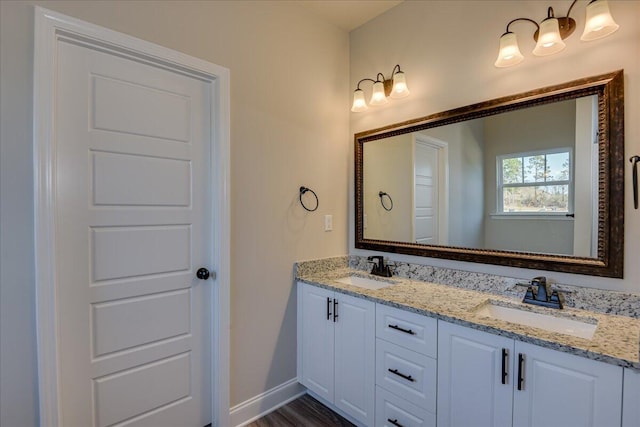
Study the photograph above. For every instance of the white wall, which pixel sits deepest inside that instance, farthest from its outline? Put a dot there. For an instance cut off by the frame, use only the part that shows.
(388, 167)
(533, 129)
(447, 50)
(289, 127)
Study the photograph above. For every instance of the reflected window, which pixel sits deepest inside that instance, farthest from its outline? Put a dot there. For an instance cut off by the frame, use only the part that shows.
(535, 183)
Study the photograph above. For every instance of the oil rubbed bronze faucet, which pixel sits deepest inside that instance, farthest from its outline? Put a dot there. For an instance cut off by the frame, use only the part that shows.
(539, 293)
(379, 269)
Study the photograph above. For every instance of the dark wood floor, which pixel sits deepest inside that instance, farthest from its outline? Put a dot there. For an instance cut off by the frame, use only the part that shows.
(302, 412)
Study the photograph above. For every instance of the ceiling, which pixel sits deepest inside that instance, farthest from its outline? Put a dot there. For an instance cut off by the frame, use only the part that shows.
(348, 14)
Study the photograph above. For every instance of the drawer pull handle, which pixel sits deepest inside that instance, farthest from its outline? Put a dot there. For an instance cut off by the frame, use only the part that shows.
(394, 422)
(520, 371)
(398, 328)
(400, 374)
(505, 362)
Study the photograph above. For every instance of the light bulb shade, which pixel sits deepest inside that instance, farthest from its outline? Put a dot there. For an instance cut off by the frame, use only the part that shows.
(359, 104)
(549, 40)
(378, 97)
(599, 21)
(400, 89)
(509, 53)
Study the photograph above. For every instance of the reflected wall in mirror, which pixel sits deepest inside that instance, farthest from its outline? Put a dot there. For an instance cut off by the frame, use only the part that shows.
(532, 180)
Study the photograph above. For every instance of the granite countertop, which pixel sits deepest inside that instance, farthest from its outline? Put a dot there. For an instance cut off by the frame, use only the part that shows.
(615, 341)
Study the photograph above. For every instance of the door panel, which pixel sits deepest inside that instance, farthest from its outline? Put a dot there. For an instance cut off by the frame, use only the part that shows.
(125, 179)
(117, 100)
(153, 385)
(130, 322)
(133, 220)
(123, 252)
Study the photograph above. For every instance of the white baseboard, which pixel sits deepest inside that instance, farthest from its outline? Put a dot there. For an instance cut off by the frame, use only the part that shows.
(260, 405)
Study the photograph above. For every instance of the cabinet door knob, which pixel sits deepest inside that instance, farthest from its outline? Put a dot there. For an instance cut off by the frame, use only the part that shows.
(202, 273)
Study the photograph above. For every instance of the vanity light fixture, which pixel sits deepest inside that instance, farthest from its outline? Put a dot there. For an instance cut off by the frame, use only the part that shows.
(552, 31)
(395, 87)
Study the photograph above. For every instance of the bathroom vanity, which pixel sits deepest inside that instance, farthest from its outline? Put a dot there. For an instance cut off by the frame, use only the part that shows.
(453, 348)
(407, 352)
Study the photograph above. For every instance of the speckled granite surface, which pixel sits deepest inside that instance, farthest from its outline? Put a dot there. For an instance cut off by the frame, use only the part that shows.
(319, 265)
(616, 339)
(610, 302)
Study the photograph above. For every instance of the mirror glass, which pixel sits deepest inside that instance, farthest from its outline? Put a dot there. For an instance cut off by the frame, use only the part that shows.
(505, 182)
(527, 177)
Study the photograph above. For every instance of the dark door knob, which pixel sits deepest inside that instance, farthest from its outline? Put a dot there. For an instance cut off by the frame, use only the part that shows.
(202, 274)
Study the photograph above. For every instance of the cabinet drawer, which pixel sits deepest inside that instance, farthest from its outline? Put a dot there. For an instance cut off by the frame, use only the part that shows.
(391, 411)
(410, 330)
(410, 375)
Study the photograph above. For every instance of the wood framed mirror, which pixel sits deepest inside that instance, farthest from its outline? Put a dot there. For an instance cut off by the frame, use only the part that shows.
(533, 180)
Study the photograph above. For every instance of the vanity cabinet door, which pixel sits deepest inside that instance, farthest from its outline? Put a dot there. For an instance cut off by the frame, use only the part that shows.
(561, 389)
(631, 399)
(316, 340)
(470, 378)
(355, 357)
(336, 350)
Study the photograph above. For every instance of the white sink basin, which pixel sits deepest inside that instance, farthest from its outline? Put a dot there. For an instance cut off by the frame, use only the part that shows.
(577, 328)
(364, 282)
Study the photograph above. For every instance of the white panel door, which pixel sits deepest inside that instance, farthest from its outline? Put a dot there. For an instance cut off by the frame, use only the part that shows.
(317, 335)
(354, 357)
(426, 194)
(133, 222)
(470, 385)
(561, 389)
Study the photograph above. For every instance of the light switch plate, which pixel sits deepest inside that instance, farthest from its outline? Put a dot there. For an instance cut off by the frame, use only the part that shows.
(328, 222)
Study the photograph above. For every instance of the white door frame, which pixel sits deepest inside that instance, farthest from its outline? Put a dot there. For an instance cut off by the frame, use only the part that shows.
(49, 26)
(443, 184)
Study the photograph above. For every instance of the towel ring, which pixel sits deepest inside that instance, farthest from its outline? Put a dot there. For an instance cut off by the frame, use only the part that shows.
(382, 194)
(304, 190)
